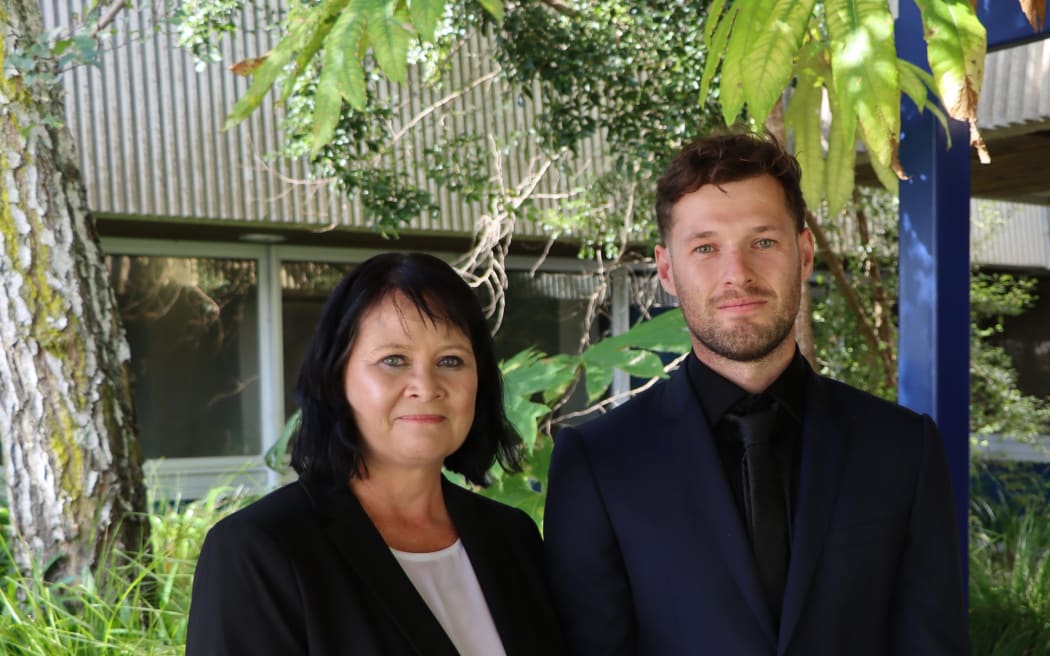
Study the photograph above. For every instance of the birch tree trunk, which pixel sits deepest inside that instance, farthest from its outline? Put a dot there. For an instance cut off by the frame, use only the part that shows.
(72, 467)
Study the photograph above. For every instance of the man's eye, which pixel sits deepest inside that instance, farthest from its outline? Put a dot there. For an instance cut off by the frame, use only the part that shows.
(450, 361)
(393, 360)
(705, 248)
(765, 243)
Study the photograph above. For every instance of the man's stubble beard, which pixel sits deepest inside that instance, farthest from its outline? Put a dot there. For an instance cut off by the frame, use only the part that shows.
(747, 342)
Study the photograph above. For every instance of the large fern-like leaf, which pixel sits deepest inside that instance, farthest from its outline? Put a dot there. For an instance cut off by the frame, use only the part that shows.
(494, 7)
(303, 25)
(329, 14)
(955, 47)
(342, 47)
(842, 154)
(803, 118)
(774, 37)
(716, 46)
(734, 77)
(864, 70)
(425, 16)
(390, 39)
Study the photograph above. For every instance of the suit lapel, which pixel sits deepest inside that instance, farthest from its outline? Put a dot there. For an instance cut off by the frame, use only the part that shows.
(356, 538)
(824, 445)
(490, 565)
(699, 469)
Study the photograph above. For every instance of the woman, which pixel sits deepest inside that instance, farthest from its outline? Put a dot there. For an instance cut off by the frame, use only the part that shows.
(372, 550)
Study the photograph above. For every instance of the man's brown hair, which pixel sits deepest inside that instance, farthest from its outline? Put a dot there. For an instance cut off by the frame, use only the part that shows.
(721, 158)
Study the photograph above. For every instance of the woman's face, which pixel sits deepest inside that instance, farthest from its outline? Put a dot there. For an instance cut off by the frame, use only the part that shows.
(411, 385)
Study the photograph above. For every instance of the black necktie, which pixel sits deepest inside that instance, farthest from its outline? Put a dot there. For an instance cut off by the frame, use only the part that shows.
(765, 506)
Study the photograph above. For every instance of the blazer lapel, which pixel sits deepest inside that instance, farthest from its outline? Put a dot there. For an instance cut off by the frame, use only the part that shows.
(490, 565)
(824, 445)
(700, 473)
(356, 538)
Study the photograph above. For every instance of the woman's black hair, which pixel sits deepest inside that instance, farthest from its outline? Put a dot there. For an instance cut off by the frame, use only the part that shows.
(327, 447)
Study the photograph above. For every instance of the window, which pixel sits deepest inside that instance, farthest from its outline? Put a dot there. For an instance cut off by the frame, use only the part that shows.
(191, 324)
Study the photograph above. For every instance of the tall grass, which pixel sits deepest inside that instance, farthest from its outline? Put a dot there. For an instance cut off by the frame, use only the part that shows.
(135, 604)
(1009, 580)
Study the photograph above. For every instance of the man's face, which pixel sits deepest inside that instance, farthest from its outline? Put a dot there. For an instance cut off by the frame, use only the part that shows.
(736, 263)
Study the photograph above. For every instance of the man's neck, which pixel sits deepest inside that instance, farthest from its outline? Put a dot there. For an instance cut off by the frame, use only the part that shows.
(753, 376)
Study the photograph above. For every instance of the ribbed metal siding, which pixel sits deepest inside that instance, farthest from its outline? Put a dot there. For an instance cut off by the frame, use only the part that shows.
(1010, 234)
(1016, 86)
(149, 129)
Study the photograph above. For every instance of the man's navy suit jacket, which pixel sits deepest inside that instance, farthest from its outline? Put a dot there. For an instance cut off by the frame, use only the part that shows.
(648, 555)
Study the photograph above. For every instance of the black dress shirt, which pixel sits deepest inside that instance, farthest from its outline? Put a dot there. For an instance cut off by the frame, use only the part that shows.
(717, 395)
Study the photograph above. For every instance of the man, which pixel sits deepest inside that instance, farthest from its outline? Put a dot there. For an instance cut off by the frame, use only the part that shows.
(748, 506)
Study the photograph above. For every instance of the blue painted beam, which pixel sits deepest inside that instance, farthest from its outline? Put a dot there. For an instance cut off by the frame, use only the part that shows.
(1006, 24)
(934, 305)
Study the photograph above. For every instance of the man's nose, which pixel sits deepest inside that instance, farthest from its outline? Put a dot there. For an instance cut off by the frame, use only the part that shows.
(737, 267)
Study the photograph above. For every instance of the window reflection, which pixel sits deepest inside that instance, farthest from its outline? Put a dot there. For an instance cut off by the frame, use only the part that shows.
(192, 324)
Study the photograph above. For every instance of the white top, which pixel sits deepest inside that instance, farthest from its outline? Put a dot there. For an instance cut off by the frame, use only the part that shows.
(446, 581)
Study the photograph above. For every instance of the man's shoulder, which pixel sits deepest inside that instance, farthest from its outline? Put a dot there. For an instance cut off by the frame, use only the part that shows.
(865, 406)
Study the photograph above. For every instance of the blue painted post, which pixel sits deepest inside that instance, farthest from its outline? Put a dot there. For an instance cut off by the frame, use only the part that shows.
(934, 343)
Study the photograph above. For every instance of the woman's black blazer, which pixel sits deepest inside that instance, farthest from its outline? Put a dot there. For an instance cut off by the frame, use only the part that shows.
(304, 572)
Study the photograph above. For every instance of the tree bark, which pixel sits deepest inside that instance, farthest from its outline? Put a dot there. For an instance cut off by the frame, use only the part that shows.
(72, 466)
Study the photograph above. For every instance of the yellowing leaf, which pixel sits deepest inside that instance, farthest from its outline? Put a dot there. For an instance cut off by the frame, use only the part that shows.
(803, 119)
(864, 72)
(716, 45)
(776, 32)
(956, 44)
(1035, 12)
(842, 153)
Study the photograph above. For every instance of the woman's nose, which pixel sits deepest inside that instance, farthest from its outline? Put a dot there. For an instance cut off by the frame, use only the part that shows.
(424, 383)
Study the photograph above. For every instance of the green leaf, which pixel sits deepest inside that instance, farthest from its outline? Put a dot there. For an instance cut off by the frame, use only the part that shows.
(341, 56)
(328, 102)
(734, 79)
(956, 44)
(494, 7)
(665, 332)
(390, 39)
(275, 455)
(524, 415)
(716, 45)
(864, 70)
(803, 118)
(330, 12)
(771, 42)
(842, 153)
(425, 16)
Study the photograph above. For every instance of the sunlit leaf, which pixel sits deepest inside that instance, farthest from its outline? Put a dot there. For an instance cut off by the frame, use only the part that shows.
(665, 332)
(716, 45)
(390, 39)
(803, 118)
(956, 44)
(864, 70)
(425, 16)
(777, 29)
(494, 7)
(329, 13)
(327, 104)
(735, 78)
(341, 55)
(842, 153)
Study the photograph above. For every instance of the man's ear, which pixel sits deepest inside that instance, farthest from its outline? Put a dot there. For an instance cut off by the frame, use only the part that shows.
(805, 252)
(663, 269)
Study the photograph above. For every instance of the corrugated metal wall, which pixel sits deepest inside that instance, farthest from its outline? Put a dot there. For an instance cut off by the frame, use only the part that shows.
(1016, 86)
(1010, 234)
(149, 131)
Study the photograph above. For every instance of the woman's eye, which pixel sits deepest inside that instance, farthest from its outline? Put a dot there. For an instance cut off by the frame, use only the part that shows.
(393, 360)
(450, 361)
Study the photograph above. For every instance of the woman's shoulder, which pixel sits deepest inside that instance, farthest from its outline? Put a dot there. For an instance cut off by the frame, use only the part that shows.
(273, 514)
(464, 500)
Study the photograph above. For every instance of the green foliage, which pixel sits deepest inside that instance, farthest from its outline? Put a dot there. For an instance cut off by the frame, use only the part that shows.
(135, 604)
(843, 50)
(1009, 580)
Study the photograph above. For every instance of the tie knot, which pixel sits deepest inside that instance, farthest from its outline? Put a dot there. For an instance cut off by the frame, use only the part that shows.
(753, 417)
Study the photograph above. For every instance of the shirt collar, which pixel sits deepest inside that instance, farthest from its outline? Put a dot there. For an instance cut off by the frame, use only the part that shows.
(717, 394)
